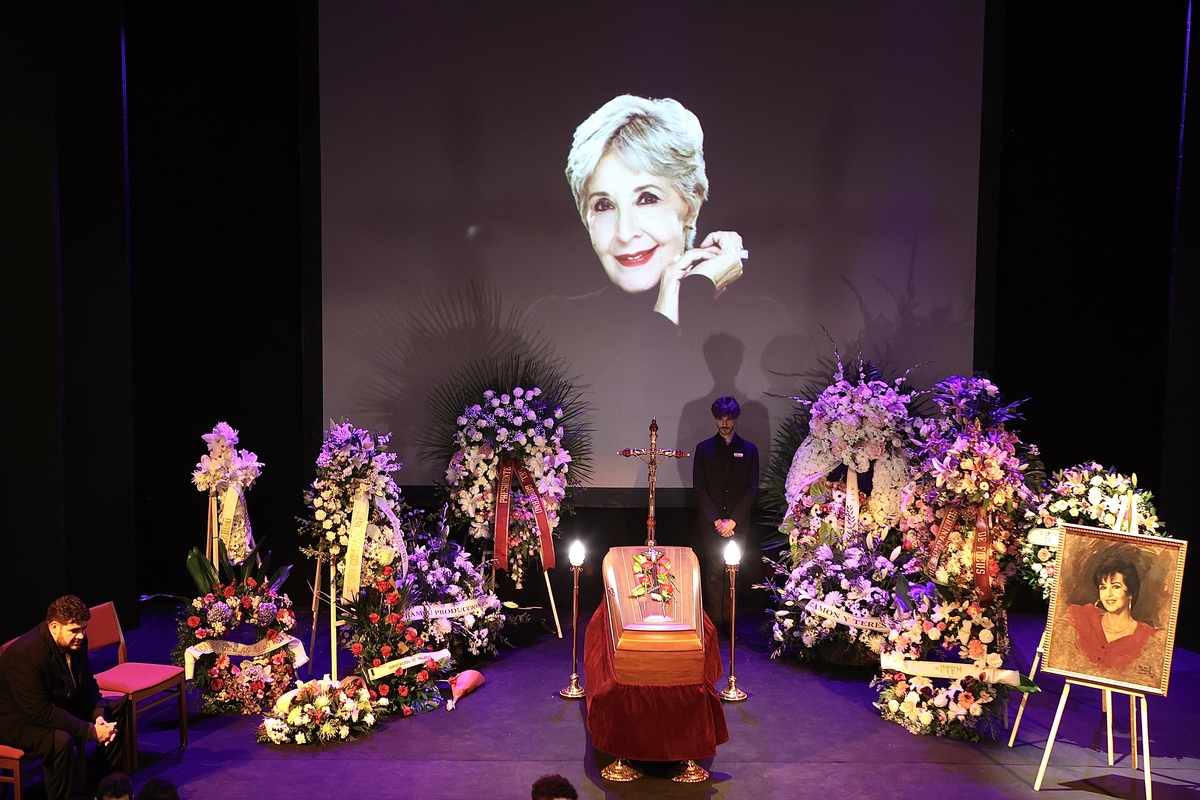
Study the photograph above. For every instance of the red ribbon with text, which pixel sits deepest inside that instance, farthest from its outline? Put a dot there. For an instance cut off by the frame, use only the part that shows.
(982, 558)
(508, 468)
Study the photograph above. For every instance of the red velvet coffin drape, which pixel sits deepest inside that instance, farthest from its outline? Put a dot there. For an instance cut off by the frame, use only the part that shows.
(651, 723)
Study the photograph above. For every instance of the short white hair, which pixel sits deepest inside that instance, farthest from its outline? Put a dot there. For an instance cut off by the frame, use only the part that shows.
(660, 137)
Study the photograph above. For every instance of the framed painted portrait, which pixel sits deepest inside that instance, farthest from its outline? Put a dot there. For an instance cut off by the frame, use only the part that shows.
(1114, 608)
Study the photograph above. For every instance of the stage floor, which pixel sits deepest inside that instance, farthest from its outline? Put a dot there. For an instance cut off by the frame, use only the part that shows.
(804, 732)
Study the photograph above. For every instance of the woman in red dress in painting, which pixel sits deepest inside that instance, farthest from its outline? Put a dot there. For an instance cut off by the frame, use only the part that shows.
(1106, 633)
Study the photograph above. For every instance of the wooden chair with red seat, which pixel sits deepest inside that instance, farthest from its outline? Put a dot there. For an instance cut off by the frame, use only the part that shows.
(143, 685)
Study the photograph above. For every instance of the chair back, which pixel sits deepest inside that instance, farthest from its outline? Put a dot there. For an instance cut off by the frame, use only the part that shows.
(105, 630)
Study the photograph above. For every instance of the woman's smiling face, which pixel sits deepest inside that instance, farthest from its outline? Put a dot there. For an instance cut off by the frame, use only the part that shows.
(636, 221)
(1114, 594)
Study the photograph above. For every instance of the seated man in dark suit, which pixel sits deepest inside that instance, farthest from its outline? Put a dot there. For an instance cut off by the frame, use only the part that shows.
(49, 700)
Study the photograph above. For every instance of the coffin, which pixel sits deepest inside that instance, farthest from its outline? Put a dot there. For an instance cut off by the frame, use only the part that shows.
(655, 643)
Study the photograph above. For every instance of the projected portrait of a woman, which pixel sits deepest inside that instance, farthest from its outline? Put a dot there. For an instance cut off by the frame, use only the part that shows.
(636, 169)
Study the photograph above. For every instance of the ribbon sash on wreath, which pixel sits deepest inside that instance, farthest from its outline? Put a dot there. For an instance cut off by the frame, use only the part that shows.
(981, 552)
(510, 468)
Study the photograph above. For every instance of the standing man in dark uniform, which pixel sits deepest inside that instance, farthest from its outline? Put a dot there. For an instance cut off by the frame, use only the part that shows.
(725, 479)
(49, 700)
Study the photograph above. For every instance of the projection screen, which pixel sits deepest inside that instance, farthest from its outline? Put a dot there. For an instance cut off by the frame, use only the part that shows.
(840, 142)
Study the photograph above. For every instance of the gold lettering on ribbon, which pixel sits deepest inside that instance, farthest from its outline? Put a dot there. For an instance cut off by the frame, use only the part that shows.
(822, 609)
(949, 522)
(228, 509)
(982, 557)
(503, 499)
(223, 647)
(408, 662)
(539, 515)
(352, 579)
(895, 662)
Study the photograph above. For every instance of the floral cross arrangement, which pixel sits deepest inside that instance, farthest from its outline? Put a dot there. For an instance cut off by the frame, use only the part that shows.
(225, 464)
(226, 473)
(652, 577)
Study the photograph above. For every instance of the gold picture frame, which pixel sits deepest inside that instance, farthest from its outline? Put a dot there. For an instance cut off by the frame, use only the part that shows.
(1111, 628)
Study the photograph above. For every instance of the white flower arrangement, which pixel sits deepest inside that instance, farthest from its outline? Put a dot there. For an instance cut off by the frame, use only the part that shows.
(850, 572)
(856, 424)
(223, 467)
(321, 711)
(1085, 494)
(225, 464)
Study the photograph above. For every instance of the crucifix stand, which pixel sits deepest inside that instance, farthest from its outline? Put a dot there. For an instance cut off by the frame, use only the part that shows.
(652, 457)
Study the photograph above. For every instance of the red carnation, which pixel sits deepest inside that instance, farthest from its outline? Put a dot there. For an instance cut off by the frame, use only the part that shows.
(394, 619)
(431, 665)
(384, 689)
(410, 635)
(383, 586)
(419, 642)
(423, 676)
(230, 591)
(247, 601)
(407, 711)
(375, 662)
(402, 691)
(356, 648)
(193, 622)
(387, 571)
(374, 618)
(217, 684)
(386, 650)
(393, 598)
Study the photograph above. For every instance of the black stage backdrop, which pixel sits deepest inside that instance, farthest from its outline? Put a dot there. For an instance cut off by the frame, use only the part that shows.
(125, 348)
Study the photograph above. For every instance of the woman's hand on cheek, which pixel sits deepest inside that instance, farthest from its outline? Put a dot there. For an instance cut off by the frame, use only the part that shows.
(718, 258)
(668, 286)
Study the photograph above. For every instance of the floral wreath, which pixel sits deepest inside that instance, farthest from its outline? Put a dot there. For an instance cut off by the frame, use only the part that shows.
(836, 584)
(971, 705)
(355, 461)
(856, 423)
(232, 676)
(223, 468)
(510, 430)
(521, 429)
(322, 711)
(1088, 494)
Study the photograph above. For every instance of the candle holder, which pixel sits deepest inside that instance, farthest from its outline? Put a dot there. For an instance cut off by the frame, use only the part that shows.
(733, 558)
(574, 691)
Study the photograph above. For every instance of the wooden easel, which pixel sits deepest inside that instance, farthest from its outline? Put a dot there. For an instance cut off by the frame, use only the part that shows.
(1107, 694)
(1129, 509)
